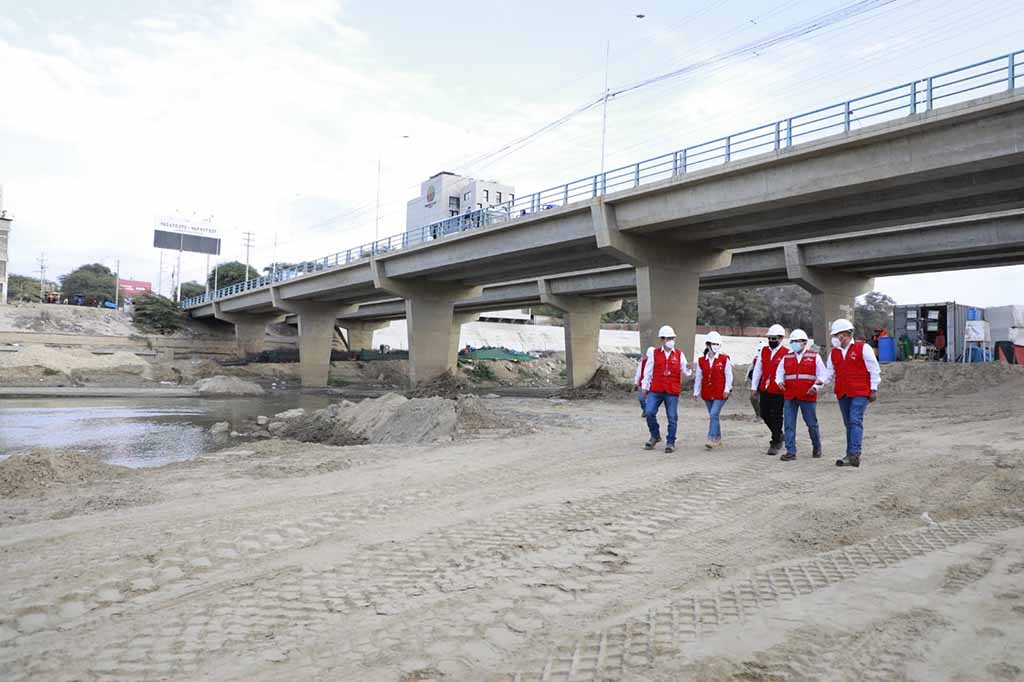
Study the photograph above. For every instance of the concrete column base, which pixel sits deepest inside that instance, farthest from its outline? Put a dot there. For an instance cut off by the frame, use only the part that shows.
(250, 329)
(316, 335)
(360, 334)
(582, 331)
(667, 277)
(458, 319)
(833, 293)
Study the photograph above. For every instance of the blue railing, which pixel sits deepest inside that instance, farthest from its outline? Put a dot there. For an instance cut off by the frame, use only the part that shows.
(967, 82)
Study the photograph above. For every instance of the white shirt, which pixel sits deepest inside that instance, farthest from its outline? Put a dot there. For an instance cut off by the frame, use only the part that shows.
(820, 370)
(870, 361)
(711, 360)
(755, 379)
(649, 367)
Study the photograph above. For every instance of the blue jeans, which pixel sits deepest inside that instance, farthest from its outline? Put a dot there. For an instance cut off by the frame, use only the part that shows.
(714, 425)
(853, 417)
(809, 409)
(643, 403)
(654, 401)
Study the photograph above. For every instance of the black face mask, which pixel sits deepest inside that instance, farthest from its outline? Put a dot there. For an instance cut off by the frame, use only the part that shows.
(773, 344)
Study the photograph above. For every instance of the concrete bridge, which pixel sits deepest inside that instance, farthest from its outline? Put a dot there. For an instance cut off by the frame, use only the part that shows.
(966, 159)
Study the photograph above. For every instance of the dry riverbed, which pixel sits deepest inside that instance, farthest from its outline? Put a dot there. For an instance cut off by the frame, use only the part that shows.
(562, 551)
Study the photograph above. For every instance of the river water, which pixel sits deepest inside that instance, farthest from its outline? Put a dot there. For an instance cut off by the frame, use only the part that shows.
(134, 432)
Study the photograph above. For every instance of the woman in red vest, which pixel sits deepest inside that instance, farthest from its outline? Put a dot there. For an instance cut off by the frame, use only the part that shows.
(857, 375)
(713, 384)
(664, 369)
(800, 374)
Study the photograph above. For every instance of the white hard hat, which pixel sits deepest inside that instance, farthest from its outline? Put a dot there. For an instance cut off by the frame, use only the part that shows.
(842, 325)
(713, 337)
(666, 332)
(776, 330)
(798, 335)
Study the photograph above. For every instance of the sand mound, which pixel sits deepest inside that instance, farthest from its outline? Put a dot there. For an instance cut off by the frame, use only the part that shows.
(224, 385)
(33, 473)
(602, 385)
(68, 360)
(445, 386)
(393, 418)
(940, 378)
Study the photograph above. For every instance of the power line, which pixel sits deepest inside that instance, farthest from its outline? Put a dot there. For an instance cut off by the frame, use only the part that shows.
(42, 275)
(249, 242)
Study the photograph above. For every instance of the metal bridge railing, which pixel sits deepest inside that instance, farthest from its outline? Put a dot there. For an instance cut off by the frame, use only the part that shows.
(950, 87)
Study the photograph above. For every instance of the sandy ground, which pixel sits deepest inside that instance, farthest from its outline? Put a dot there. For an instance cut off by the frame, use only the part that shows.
(568, 553)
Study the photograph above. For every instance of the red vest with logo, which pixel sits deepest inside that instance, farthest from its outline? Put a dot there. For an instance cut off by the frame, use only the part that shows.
(712, 377)
(769, 364)
(800, 375)
(667, 374)
(852, 378)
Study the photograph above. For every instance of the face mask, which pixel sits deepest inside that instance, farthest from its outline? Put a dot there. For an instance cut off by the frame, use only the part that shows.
(670, 344)
(836, 343)
(715, 347)
(773, 344)
(796, 346)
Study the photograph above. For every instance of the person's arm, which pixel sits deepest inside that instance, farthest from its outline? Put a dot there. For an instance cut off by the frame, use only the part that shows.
(728, 377)
(684, 366)
(638, 375)
(645, 384)
(697, 380)
(830, 371)
(874, 371)
(755, 378)
(780, 373)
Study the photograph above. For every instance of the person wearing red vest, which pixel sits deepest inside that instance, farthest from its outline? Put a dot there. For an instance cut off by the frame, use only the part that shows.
(713, 385)
(638, 381)
(857, 374)
(800, 374)
(762, 384)
(664, 369)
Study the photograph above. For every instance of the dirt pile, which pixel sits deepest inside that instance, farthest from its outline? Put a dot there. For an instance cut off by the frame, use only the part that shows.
(225, 385)
(393, 418)
(447, 386)
(940, 378)
(602, 385)
(38, 363)
(31, 474)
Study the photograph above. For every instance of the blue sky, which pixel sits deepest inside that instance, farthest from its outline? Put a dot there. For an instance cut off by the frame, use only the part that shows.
(270, 115)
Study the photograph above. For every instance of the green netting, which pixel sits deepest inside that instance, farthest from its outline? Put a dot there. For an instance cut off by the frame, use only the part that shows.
(497, 354)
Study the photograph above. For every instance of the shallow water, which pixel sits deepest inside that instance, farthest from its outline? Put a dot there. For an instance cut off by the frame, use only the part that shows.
(134, 432)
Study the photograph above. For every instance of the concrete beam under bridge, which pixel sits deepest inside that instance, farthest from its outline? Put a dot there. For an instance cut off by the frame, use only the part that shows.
(316, 335)
(833, 293)
(582, 330)
(250, 329)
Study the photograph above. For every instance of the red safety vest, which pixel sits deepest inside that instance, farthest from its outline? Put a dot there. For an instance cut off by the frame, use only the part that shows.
(712, 377)
(643, 366)
(852, 378)
(667, 376)
(769, 364)
(800, 376)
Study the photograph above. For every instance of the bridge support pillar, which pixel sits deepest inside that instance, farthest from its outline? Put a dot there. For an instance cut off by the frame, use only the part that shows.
(359, 334)
(667, 277)
(430, 317)
(582, 331)
(250, 329)
(316, 335)
(458, 319)
(833, 293)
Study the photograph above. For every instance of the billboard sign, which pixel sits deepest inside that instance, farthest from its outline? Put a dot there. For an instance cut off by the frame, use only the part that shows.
(180, 234)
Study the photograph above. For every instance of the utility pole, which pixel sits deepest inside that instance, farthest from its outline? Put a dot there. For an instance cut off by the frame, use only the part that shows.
(42, 276)
(160, 276)
(117, 282)
(248, 241)
(604, 108)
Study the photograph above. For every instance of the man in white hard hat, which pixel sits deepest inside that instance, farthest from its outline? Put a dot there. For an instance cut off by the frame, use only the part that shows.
(664, 369)
(762, 383)
(855, 368)
(800, 374)
(713, 385)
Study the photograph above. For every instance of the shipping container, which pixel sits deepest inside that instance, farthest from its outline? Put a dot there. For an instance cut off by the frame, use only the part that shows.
(922, 322)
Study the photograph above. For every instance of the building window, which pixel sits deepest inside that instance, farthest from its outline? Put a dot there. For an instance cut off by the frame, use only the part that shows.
(487, 195)
(497, 197)
(453, 213)
(511, 198)
(453, 205)
(467, 196)
(479, 205)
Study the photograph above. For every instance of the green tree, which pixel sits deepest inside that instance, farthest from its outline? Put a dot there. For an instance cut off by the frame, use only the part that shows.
(156, 314)
(230, 273)
(627, 314)
(190, 289)
(874, 312)
(23, 288)
(94, 279)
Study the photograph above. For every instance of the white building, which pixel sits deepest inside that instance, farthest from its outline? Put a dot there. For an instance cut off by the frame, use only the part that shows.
(446, 194)
(5, 231)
